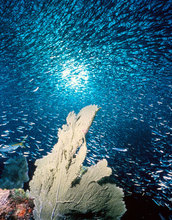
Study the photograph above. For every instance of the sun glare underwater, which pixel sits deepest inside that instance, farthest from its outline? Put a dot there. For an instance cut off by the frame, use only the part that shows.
(59, 56)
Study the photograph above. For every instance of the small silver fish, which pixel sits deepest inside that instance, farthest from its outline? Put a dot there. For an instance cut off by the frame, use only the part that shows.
(120, 149)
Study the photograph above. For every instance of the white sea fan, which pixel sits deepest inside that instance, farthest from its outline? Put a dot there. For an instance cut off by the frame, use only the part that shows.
(54, 187)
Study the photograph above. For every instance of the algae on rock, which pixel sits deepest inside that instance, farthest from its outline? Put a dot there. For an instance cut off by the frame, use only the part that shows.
(54, 187)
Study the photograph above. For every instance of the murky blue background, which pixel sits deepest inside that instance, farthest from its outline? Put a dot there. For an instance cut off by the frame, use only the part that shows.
(59, 56)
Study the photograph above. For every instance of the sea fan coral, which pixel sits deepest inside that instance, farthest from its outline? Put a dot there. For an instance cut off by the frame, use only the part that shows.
(54, 187)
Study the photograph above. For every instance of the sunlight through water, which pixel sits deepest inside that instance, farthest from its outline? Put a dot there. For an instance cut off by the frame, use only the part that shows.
(74, 76)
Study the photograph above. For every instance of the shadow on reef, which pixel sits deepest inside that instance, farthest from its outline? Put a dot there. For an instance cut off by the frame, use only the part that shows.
(141, 207)
(32, 167)
(87, 216)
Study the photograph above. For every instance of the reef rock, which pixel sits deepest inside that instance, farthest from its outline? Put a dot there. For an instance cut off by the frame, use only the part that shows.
(59, 186)
(15, 173)
(14, 204)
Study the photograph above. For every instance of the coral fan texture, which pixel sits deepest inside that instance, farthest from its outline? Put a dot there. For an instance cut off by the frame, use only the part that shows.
(54, 186)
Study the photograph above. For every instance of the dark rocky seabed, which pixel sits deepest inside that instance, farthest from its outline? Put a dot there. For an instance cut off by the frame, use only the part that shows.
(59, 56)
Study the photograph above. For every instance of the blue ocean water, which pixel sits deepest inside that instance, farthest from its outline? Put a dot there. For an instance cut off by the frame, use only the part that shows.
(59, 56)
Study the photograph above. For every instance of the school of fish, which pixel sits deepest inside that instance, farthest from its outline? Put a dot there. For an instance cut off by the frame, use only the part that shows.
(59, 56)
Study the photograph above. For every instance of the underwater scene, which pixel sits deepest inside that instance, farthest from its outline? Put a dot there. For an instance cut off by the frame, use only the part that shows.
(60, 56)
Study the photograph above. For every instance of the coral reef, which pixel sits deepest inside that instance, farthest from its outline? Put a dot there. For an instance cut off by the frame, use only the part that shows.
(14, 204)
(15, 173)
(59, 186)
